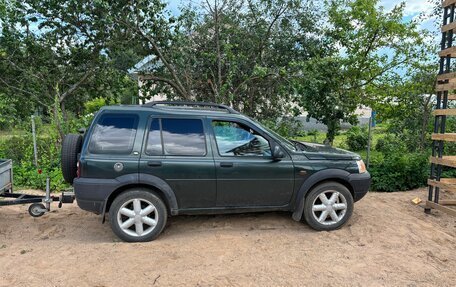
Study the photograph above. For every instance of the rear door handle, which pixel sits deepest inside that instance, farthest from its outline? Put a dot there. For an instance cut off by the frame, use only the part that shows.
(154, 163)
(226, 164)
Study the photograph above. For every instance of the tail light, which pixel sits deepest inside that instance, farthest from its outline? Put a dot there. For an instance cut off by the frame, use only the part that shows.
(78, 169)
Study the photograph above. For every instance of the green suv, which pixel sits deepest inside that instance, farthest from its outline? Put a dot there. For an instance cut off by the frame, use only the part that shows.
(142, 164)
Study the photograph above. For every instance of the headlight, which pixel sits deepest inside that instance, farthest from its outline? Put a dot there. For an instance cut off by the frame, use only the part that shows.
(361, 166)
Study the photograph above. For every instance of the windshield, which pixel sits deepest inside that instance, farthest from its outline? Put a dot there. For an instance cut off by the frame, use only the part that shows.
(283, 140)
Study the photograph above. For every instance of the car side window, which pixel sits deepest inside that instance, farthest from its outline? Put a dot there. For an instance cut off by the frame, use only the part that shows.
(114, 134)
(154, 141)
(236, 139)
(184, 137)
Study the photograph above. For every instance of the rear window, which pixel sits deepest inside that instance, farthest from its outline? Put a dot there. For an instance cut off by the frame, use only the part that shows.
(114, 134)
(184, 137)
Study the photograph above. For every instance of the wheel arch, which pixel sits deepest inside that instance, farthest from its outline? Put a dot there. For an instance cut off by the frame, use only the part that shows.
(150, 182)
(317, 178)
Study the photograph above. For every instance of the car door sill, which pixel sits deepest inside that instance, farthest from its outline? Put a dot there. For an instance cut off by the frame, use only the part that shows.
(225, 210)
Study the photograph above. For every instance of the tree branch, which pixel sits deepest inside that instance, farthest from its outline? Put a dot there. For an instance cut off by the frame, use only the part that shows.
(25, 92)
(75, 86)
(178, 86)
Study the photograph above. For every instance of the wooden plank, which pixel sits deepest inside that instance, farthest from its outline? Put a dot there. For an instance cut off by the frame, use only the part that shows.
(447, 202)
(448, 52)
(449, 137)
(445, 112)
(443, 185)
(447, 3)
(445, 87)
(446, 76)
(431, 204)
(451, 97)
(446, 160)
(448, 27)
(448, 180)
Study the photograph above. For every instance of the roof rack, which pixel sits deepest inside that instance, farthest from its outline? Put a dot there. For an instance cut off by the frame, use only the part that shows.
(190, 103)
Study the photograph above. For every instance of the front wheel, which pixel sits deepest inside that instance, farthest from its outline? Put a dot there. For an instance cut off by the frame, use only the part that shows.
(138, 215)
(328, 206)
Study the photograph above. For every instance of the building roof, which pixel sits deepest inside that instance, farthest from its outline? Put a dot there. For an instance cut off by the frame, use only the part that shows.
(148, 64)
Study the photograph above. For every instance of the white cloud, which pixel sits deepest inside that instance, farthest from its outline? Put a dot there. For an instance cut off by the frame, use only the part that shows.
(412, 7)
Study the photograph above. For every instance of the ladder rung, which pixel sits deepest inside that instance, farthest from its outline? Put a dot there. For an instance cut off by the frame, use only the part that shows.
(445, 112)
(448, 52)
(448, 184)
(446, 160)
(446, 76)
(448, 27)
(451, 211)
(449, 137)
(447, 3)
(445, 87)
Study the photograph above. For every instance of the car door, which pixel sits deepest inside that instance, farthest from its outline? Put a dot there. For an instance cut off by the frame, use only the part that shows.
(114, 145)
(247, 174)
(176, 150)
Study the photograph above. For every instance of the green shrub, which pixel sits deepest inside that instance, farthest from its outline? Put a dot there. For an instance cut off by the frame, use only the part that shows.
(390, 144)
(399, 171)
(19, 148)
(357, 138)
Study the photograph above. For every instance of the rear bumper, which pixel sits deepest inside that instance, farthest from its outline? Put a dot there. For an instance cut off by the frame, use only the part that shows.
(360, 183)
(92, 193)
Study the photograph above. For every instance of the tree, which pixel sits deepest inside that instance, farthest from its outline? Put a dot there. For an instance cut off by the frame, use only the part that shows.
(243, 53)
(369, 46)
(407, 104)
(49, 60)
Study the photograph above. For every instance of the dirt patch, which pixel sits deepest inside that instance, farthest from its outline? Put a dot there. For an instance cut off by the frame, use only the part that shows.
(388, 241)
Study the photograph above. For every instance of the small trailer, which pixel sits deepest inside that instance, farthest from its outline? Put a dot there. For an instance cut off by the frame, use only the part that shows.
(40, 204)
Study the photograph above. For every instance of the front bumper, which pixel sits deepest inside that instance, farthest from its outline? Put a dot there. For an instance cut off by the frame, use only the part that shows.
(360, 183)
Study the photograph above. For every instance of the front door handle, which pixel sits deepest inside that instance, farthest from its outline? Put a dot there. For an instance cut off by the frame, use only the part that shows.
(154, 163)
(226, 164)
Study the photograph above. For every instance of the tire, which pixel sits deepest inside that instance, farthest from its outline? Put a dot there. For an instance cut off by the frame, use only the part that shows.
(335, 196)
(127, 202)
(71, 147)
(35, 209)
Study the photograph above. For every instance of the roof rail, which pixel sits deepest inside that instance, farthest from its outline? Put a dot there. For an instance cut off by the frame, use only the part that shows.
(190, 103)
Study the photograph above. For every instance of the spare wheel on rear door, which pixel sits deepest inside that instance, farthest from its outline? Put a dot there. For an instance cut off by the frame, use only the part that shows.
(71, 147)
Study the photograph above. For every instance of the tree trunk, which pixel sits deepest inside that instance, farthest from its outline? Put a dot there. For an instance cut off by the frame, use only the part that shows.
(424, 124)
(333, 128)
(55, 111)
(64, 113)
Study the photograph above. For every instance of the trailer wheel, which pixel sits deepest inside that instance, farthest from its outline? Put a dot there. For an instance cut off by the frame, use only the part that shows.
(36, 209)
(71, 147)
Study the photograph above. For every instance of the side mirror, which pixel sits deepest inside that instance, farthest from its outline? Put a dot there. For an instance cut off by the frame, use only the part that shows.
(277, 153)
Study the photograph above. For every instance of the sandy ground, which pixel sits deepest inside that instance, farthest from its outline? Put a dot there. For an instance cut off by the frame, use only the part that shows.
(388, 241)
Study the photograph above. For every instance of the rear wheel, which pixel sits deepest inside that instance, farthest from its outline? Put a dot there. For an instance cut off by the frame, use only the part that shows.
(71, 147)
(138, 215)
(328, 206)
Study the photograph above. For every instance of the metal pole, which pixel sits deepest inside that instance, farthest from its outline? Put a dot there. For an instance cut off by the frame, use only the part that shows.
(369, 142)
(35, 152)
(48, 199)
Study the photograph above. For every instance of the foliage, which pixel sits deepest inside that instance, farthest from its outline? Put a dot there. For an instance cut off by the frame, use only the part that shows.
(359, 32)
(407, 105)
(286, 127)
(390, 144)
(50, 62)
(357, 138)
(20, 150)
(399, 171)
